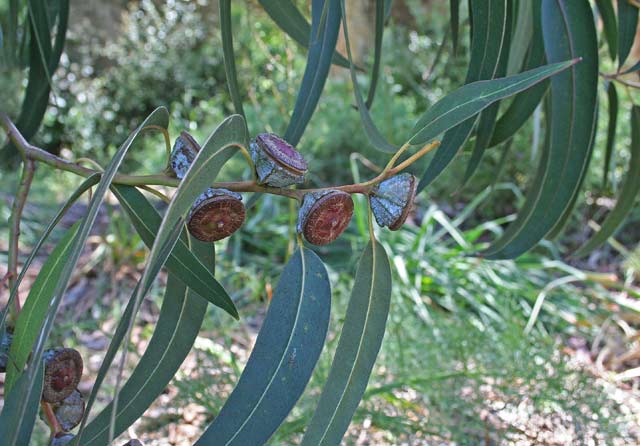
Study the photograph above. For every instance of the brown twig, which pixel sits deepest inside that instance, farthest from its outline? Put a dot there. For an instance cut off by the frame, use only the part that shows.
(14, 226)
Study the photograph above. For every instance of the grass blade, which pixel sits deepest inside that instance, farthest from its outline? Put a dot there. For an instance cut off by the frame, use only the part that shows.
(180, 319)
(569, 31)
(182, 262)
(322, 44)
(628, 192)
(283, 358)
(359, 344)
(287, 16)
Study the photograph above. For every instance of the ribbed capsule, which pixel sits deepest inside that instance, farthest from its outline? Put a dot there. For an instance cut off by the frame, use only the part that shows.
(185, 149)
(324, 215)
(392, 199)
(61, 439)
(62, 372)
(133, 442)
(277, 162)
(216, 214)
(69, 411)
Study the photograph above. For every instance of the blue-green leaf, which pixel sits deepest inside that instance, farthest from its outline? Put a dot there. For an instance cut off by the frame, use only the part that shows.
(628, 192)
(609, 25)
(612, 95)
(322, 43)
(286, 15)
(627, 25)
(182, 262)
(454, 23)
(569, 31)
(377, 55)
(180, 319)
(359, 344)
(229, 56)
(282, 360)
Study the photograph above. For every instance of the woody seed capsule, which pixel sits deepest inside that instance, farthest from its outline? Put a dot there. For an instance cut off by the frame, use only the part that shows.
(61, 439)
(324, 215)
(391, 200)
(184, 152)
(62, 372)
(216, 214)
(69, 411)
(278, 163)
(5, 346)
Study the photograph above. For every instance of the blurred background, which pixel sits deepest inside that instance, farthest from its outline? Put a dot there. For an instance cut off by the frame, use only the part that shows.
(544, 350)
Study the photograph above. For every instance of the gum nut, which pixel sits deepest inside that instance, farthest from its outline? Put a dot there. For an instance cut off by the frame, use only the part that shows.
(391, 200)
(324, 216)
(61, 439)
(184, 152)
(63, 369)
(278, 163)
(216, 214)
(5, 345)
(69, 411)
(133, 442)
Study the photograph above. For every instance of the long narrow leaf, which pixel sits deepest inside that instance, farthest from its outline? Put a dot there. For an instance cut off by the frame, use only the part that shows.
(282, 360)
(360, 341)
(322, 44)
(229, 56)
(454, 23)
(609, 25)
(159, 117)
(15, 428)
(182, 262)
(627, 25)
(612, 95)
(286, 15)
(377, 55)
(180, 319)
(569, 31)
(628, 193)
(35, 308)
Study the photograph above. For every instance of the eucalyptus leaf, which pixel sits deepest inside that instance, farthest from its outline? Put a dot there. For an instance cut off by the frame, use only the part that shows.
(284, 356)
(609, 25)
(612, 96)
(360, 341)
(628, 192)
(228, 55)
(627, 25)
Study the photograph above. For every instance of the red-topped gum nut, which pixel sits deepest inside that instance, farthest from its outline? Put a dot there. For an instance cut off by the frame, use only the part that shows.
(216, 214)
(62, 372)
(278, 163)
(324, 216)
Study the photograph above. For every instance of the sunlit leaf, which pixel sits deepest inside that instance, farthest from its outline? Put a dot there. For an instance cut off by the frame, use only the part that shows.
(284, 356)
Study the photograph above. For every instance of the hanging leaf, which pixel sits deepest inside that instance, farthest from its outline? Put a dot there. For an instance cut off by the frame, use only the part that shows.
(609, 25)
(282, 360)
(628, 192)
(627, 25)
(229, 55)
(182, 262)
(454, 23)
(175, 332)
(35, 308)
(569, 31)
(43, 61)
(323, 38)
(525, 103)
(373, 134)
(612, 95)
(158, 118)
(487, 119)
(522, 35)
(359, 344)
(17, 420)
(377, 55)
(635, 67)
(287, 16)
(487, 43)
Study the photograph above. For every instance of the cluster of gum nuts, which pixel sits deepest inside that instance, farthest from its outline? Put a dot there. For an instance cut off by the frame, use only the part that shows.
(324, 214)
(62, 373)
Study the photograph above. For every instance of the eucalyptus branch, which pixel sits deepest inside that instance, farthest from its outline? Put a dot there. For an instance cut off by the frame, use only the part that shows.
(34, 153)
(28, 171)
